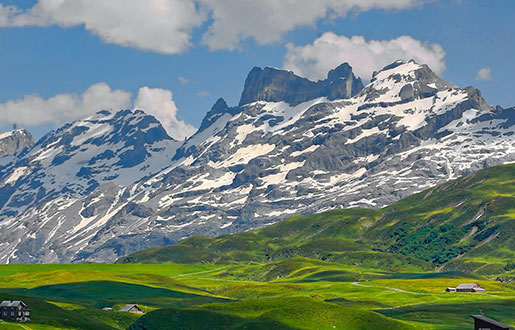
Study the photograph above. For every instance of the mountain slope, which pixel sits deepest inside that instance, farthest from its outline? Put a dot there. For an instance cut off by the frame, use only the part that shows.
(466, 224)
(41, 187)
(251, 165)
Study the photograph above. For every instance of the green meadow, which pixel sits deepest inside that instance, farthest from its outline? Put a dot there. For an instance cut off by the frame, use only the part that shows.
(308, 294)
(344, 269)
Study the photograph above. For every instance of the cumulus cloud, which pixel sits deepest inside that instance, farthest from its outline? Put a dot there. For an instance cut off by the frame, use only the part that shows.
(35, 110)
(266, 21)
(330, 50)
(484, 74)
(166, 26)
(159, 103)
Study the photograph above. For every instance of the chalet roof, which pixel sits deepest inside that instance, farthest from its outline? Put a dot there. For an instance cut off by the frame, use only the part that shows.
(467, 286)
(494, 322)
(12, 303)
(128, 307)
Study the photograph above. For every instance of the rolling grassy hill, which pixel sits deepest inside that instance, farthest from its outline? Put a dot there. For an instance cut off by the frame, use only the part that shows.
(345, 269)
(467, 225)
(295, 293)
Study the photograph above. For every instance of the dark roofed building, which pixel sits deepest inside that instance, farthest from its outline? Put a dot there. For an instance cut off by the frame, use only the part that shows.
(484, 323)
(131, 308)
(14, 310)
(469, 287)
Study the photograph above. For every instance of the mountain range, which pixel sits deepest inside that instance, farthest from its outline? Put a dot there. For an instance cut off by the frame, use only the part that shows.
(115, 183)
(462, 225)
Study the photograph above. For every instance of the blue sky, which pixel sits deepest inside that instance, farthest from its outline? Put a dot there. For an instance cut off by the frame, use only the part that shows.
(208, 51)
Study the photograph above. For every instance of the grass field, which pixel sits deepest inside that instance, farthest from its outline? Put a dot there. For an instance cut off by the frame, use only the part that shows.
(298, 293)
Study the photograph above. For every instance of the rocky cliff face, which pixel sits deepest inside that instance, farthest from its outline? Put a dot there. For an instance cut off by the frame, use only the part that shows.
(246, 167)
(275, 85)
(15, 141)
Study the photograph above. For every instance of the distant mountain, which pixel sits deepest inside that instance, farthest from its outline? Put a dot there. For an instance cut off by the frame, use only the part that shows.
(15, 141)
(274, 85)
(110, 185)
(80, 159)
(466, 224)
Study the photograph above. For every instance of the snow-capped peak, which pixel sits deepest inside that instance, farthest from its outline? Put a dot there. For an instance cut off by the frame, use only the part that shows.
(93, 190)
(73, 160)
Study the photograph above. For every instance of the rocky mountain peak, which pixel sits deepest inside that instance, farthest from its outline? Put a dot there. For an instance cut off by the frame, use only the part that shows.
(275, 85)
(218, 110)
(15, 141)
(344, 70)
(404, 81)
(73, 160)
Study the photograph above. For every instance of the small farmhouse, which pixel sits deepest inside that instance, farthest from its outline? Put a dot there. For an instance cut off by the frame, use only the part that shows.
(484, 323)
(14, 310)
(131, 308)
(469, 287)
(466, 287)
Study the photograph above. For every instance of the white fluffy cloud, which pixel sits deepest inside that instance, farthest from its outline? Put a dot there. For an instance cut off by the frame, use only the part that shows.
(166, 26)
(35, 110)
(484, 74)
(163, 26)
(266, 21)
(159, 103)
(330, 50)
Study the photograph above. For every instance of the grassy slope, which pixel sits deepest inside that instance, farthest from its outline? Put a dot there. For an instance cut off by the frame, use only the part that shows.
(466, 224)
(270, 313)
(71, 296)
(346, 269)
(287, 294)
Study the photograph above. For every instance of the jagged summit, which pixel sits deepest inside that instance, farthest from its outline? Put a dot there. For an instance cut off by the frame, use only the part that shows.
(218, 110)
(14, 141)
(274, 85)
(405, 81)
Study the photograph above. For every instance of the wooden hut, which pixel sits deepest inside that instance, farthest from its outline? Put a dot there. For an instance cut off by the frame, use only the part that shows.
(469, 287)
(14, 310)
(484, 323)
(131, 308)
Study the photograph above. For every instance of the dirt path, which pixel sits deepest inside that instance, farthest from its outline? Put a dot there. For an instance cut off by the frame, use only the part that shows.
(394, 289)
(202, 272)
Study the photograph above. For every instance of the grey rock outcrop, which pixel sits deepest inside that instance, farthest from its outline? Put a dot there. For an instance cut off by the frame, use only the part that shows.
(274, 85)
(15, 141)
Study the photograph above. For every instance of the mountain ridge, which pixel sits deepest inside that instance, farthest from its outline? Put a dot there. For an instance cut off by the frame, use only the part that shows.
(461, 225)
(253, 165)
